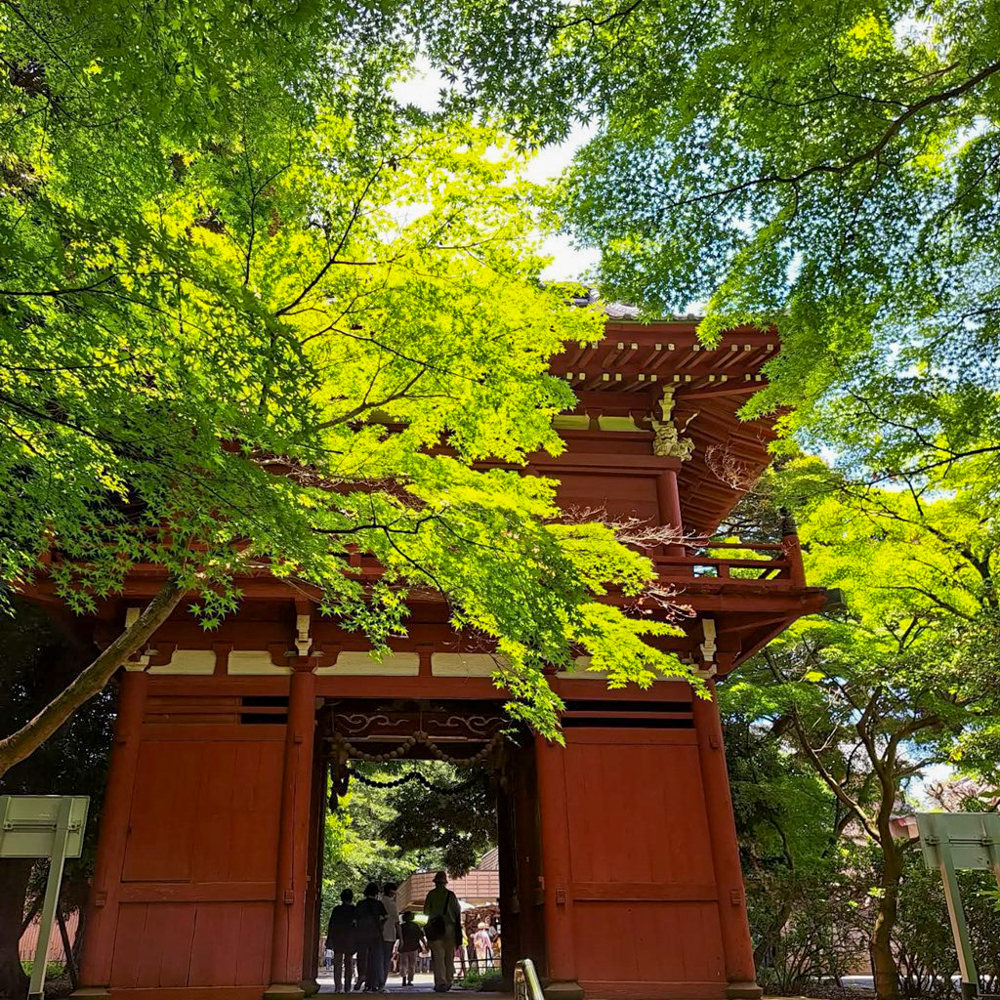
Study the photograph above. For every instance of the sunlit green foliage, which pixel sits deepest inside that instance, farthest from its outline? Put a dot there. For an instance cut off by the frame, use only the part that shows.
(356, 850)
(903, 677)
(254, 319)
(911, 661)
(387, 834)
(827, 167)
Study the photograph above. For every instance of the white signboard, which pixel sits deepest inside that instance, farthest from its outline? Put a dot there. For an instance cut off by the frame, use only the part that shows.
(43, 826)
(972, 838)
(953, 841)
(28, 825)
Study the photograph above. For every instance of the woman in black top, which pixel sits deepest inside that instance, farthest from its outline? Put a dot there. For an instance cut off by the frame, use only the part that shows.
(340, 935)
(370, 915)
(411, 940)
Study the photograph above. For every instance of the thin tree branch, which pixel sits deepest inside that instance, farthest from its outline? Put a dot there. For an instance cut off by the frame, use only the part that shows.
(90, 680)
(873, 151)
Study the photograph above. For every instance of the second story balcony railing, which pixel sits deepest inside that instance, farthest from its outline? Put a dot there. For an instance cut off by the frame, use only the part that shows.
(705, 567)
(734, 565)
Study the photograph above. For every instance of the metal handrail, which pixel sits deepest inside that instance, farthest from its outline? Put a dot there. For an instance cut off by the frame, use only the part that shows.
(526, 984)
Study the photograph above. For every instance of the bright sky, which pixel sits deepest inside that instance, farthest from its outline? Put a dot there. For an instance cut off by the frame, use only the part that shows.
(568, 262)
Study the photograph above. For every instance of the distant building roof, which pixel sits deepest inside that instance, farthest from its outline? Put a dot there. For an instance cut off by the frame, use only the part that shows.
(624, 311)
(620, 310)
(479, 887)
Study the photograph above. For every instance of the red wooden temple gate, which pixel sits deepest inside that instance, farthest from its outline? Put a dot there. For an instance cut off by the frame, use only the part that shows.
(620, 872)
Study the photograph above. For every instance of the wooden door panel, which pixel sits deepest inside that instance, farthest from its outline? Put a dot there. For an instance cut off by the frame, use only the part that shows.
(232, 944)
(642, 877)
(255, 826)
(200, 865)
(166, 946)
(160, 945)
(205, 812)
(238, 805)
(216, 946)
(129, 941)
(637, 813)
(667, 943)
(253, 958)
(164, 801)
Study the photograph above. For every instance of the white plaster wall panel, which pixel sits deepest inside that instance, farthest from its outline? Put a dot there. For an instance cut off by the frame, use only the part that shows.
(189, 662)
(463, 664)
(357, 663)
(581, 673)
(253, 662)
(571, 422)
(623, 424)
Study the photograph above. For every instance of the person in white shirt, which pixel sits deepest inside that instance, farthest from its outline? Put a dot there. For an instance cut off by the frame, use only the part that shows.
(483, 944)
(390, 929)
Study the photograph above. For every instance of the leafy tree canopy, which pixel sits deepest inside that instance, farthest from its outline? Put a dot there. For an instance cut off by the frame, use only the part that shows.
(385, 834)
(454, 827)
(829, 168)
(255, 320)
(40, 657)
(903, 677)
(913, 653)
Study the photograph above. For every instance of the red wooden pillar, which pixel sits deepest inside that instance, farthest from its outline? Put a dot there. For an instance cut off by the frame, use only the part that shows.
(668, 502)
(737, 943)
(793, 550)
(556, 871)
(317, 836)
(291, 881)
(102, 918)
(530, 898)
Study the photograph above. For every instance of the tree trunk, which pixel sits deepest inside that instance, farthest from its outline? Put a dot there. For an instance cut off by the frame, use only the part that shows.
(880, 942)
(71, 966)
(768, 940)
(19, 745)
(14, 874)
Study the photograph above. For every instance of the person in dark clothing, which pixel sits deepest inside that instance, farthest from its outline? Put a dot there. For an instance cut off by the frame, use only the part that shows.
(411, 940)
(340, 935)
(370, 915)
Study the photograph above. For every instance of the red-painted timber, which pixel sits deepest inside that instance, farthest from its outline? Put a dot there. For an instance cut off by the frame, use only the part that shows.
(621, 845)
(293, 833)
(738, 945)
(95, 969)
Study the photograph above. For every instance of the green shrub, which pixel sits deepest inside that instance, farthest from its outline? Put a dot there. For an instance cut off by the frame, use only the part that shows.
(923, 942)
(806, 926)
(489, 981)
(53, 970)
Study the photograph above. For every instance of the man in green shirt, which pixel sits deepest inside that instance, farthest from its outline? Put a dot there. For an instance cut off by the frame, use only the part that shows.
(443, 930)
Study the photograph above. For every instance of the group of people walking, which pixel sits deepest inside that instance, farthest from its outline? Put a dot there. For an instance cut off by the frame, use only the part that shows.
(372, 930)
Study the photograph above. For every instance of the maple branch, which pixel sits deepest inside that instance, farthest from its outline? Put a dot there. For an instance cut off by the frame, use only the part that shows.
(344, 236)
(873, 151)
